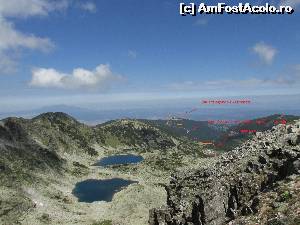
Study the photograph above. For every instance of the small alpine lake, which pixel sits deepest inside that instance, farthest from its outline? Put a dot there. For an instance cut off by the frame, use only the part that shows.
(99, 190)
(119, 160)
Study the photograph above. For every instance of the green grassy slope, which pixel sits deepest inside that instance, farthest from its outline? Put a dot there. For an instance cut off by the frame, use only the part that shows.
(196, 130)
(136, 134)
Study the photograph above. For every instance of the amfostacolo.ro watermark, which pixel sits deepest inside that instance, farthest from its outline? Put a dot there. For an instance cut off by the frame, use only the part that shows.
(240, 8)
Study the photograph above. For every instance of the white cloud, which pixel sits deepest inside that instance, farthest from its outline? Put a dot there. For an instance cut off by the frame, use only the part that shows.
(292, 3)
(266, 52)
(10, 38)
(100, 77)
(132, 54)
(26, 8)
(42, 77)
(89, 6)
(23, 8)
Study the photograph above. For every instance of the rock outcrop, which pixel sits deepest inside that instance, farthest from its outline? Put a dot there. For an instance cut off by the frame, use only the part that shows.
(230, 187)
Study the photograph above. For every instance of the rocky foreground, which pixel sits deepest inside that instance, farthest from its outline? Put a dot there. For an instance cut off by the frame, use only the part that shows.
(257, 183)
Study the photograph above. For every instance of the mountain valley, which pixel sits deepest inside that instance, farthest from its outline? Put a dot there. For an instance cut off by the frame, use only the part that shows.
(43, 159)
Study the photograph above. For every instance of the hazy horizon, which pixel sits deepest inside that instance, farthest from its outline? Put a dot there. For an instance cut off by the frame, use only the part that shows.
(100, 112)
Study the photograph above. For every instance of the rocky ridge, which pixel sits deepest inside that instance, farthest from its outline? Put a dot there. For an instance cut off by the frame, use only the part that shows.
(236, 185)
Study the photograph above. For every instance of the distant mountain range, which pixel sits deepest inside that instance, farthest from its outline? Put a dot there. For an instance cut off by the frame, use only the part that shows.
(224, 128)
(221, 134)
(93, 116)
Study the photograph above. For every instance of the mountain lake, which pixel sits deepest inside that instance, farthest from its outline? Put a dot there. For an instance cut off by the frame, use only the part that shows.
(99, 190)
(119, 160)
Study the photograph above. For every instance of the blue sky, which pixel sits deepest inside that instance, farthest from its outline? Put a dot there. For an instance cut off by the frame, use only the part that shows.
(55, 51)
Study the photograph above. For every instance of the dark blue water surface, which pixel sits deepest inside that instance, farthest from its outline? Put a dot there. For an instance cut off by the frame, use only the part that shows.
(119, 159)
(99, 190)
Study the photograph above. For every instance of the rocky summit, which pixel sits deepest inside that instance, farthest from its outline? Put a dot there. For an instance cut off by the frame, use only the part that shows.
(256, 183)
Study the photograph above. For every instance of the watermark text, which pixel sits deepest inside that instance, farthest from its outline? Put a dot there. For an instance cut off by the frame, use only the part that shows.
(240, 8)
